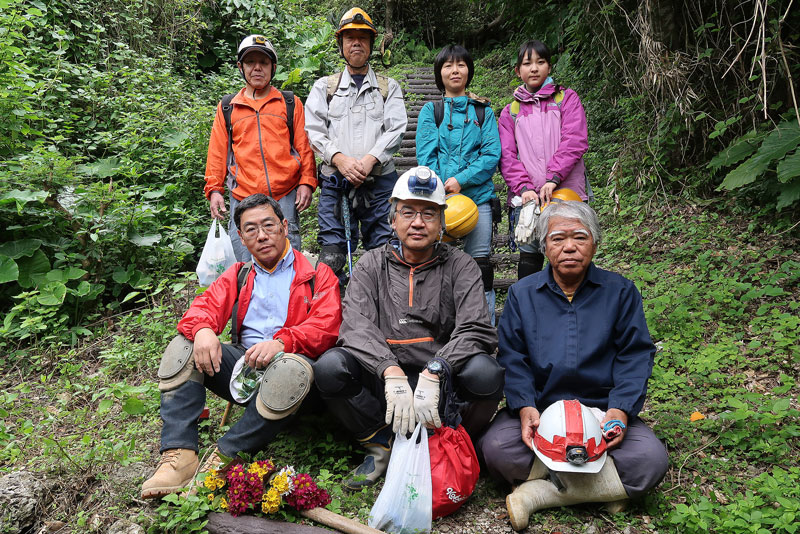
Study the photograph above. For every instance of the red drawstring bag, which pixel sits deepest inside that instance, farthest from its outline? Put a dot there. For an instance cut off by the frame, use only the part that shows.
(454, 469)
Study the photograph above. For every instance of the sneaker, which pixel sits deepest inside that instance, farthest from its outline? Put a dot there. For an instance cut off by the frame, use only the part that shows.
(175, 470)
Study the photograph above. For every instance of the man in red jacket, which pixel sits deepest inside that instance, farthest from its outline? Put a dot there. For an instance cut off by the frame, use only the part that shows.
(284, 317)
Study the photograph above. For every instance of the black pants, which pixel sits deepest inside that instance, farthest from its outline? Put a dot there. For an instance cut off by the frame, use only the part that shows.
(356, 395)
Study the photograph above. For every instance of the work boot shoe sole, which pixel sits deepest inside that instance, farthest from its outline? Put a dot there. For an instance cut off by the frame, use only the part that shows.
(516, 524)
(158, 492)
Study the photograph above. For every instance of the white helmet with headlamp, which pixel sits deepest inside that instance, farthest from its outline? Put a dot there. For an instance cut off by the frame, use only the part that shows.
(419, 183)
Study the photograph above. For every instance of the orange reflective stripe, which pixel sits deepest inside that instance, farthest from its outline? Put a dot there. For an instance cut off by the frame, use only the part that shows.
(408, 341)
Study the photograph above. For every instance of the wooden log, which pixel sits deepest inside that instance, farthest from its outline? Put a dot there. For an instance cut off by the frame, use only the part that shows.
(247, 524)
(325, 517)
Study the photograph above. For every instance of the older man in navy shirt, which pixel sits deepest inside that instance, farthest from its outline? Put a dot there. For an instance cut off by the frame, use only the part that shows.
(574, 331)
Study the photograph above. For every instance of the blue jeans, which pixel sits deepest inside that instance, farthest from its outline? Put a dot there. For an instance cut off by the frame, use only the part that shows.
(478, 244)
(181, 407)
(369, 207)
(289, 212)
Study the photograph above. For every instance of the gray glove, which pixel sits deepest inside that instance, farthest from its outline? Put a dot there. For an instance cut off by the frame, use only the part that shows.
(525, 232)
(399, 404)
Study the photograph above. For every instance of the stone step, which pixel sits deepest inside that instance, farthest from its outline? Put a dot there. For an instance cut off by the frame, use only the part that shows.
(406, 162)
(424, 90)
(409, 151)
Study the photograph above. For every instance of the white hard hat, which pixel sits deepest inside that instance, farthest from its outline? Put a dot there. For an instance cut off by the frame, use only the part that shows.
(257, 42)
(419, 183)
(569, 438)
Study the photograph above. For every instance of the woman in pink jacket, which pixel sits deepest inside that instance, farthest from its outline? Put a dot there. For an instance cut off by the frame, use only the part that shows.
(543, 137)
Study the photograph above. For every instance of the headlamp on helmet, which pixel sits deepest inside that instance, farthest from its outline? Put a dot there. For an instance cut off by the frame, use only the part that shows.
(422, 182)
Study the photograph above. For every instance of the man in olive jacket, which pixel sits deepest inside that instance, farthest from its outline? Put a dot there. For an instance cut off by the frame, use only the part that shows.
(414, 316)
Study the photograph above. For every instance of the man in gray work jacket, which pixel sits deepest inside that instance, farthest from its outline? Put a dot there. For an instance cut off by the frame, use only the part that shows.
(355, 121)
(414, 320)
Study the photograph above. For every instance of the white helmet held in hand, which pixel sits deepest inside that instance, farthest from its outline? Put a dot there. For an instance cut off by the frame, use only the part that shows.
(569, 438)
(419, 183)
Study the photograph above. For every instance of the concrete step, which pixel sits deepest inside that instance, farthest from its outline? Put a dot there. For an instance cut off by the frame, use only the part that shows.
(409, 152)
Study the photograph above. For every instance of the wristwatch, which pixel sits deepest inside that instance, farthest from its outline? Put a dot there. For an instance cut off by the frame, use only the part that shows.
(435, 367)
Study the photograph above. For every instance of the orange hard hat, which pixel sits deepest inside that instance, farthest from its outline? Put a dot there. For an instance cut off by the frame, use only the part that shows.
(356, 19)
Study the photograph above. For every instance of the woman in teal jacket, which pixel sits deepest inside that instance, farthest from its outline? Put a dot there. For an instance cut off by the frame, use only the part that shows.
(463, 150)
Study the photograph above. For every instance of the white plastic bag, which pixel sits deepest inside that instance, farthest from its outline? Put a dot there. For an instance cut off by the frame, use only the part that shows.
(405, 503)
(217, 255)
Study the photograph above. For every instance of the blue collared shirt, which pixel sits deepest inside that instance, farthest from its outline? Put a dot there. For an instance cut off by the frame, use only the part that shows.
(596, 349)
(269, 304)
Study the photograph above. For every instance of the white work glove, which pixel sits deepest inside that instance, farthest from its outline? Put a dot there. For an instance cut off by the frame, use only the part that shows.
(399, 404)
(524, 233)
(426, 401)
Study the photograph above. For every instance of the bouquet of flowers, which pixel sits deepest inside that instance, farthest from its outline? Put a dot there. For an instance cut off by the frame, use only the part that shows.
(260, 487)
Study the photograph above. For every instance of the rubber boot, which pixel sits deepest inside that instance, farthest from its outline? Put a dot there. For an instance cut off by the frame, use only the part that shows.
(379, 450)
(534, 495)
(529, 263)
(175, 471)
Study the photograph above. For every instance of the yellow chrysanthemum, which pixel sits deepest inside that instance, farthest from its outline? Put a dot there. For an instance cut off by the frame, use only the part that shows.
(259, 470)
(281, 483)
(223, 503)
(271, 501)
(213, 480)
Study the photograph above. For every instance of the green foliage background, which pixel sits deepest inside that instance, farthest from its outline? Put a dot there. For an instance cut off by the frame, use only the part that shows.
(106, 109)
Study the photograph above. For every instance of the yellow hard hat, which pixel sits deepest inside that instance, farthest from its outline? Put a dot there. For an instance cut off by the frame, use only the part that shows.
(460, 216)
(356, 19)
(565, 193)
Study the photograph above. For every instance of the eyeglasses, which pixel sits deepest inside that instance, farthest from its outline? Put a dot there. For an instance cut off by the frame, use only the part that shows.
(428, 214)
(269, 228)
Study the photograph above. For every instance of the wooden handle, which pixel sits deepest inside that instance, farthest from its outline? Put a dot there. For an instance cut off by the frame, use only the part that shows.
(339, 522)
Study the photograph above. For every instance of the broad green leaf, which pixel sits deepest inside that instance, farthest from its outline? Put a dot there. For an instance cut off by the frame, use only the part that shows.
(105, 405)
(102, 168)
(19, 248)
(789, 167)
(790, 194)
(158, 193)
(781, 405)
(133, 406)
(745, 173)
(52, 294)
(120, 276)
(9, 272)
(144, 240)
(83, 289)
(22, 197)
(175, 139)
(32, 268)
(782, 140)
(736, 151)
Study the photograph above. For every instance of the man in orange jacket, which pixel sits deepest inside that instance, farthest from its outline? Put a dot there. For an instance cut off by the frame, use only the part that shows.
(261, 157)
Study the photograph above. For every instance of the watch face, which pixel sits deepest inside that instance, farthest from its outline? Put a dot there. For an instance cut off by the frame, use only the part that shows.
(435, 367)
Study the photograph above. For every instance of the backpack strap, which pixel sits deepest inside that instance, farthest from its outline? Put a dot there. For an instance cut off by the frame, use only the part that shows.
(383, 86)
(438, 112)
(227, 110)
(288, 98)
(333, 84)
(241, 279)
(480, 113)
(336, 78)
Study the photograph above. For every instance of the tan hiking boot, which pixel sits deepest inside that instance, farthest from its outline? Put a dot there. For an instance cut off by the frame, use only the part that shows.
(175, 470)
(213, 460)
